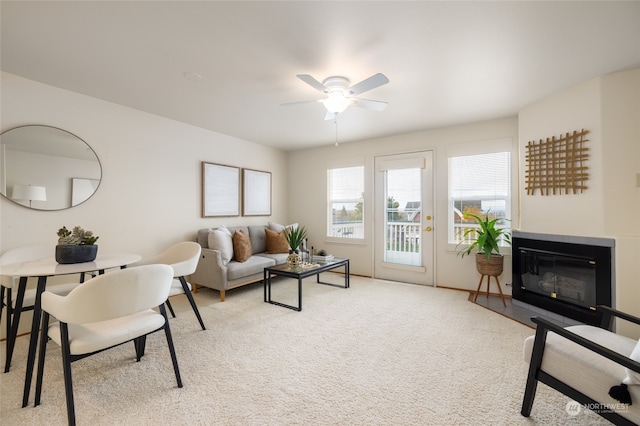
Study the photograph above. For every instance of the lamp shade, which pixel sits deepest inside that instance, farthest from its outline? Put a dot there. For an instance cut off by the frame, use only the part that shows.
(29, 192)
(336, 102)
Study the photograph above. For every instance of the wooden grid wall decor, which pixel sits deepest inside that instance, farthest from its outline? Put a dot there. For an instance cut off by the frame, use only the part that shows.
(555, 165)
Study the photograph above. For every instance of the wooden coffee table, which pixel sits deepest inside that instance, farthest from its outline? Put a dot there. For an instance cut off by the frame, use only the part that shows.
(301, 273)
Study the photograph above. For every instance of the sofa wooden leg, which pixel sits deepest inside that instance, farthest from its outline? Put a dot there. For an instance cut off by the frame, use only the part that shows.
(222, 295)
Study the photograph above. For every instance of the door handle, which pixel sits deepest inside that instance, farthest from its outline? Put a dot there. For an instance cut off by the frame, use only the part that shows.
(428, 229)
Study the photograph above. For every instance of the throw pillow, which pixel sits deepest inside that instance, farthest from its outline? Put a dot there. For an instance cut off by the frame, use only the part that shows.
(241, 246)
(276, 242)
(221, 240)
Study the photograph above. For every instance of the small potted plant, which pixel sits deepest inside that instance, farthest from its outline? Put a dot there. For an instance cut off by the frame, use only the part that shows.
(76, 246)
(295, 237)
(486, 240)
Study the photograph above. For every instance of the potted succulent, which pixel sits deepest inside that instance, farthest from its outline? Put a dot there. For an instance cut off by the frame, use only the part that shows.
(295, 237)
(486, 240)
(76, 246)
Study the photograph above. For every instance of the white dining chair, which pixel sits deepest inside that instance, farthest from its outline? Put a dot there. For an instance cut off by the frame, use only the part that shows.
(106, 311)
(9, 290)
(183, 258)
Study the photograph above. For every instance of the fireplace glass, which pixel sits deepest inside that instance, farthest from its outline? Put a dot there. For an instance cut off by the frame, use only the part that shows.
(571, 279)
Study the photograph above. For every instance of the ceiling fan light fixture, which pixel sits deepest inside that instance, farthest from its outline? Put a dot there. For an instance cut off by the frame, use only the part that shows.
(336, 103)
(340, 94)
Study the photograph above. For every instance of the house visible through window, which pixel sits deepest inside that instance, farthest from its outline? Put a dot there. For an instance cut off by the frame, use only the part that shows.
(479, 184)
(345, 202)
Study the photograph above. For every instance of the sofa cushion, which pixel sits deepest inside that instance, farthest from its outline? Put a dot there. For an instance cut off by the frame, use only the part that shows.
(258, 238)
(244, 229)
(276, 242)
(278, 228)
(253, 265)
(280, 258)
(220, 239)
(241, 246)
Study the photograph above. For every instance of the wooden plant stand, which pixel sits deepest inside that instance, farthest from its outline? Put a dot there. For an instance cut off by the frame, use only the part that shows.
(488, 285)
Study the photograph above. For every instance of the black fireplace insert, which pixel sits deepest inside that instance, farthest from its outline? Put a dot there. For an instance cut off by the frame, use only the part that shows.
(568, 279)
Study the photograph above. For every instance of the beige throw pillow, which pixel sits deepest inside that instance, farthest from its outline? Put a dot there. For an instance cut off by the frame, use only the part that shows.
(276, 242)
(241, 246)
(221, 240)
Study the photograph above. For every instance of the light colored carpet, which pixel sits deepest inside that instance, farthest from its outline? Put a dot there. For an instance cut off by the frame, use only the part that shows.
(379, 353)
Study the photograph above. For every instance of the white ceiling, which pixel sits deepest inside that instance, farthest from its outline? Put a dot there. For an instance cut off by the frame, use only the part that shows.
(447, 62)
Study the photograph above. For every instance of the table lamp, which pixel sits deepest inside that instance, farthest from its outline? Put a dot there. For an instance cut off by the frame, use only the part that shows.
(29, 192)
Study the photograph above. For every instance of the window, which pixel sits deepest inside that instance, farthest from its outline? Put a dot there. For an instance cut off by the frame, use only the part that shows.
(478, 184)
(345, 205)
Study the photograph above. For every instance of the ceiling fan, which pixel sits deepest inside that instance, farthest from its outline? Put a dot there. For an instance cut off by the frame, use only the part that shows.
(340, 94)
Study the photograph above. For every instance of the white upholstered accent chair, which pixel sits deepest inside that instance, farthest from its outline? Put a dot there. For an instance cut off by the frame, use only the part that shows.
(183, 258)
(9, 291)
(104, 312)
(586, 363)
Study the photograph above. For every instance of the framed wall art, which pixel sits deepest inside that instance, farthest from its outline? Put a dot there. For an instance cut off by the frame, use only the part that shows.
(82, 189)
(256, 193)
(558, 165)
(220, 190)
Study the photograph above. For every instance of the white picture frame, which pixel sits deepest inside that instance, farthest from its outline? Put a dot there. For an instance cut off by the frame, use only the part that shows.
(82, 189)
(220, 190)
(256, 193)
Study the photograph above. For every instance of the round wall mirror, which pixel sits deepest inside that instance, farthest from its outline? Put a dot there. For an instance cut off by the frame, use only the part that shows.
(46, 168)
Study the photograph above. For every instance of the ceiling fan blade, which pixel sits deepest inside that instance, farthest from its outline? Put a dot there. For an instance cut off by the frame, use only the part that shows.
(330, 115)
(300, 102)
(369, 83)
(369, 104)
(312, 82)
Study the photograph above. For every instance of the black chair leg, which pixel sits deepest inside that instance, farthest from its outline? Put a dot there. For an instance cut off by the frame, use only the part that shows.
(13, 320)
(172, 350)
(170, 308)
(7, 322)
(534, 366)
(44, 338)
(2, 304)
(185, 287)
(140, 343)
(66, 366)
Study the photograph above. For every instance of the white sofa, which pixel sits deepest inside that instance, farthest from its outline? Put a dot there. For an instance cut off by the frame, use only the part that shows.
(219, 270)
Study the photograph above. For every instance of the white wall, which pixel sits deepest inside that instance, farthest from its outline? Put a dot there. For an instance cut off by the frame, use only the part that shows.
(308, 193)
(609, 107)
(149, 197)
(574, 109)
(621, 197)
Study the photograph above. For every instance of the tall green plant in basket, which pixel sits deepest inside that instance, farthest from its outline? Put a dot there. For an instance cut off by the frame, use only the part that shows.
(487, 237)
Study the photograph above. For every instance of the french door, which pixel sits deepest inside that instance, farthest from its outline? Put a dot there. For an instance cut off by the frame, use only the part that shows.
(403, 215)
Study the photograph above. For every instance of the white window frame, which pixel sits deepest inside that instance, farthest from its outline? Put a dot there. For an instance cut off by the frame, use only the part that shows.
(359, 235)
(478, 148)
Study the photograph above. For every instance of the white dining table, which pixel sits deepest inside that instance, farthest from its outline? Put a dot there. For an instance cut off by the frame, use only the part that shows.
(43, 269)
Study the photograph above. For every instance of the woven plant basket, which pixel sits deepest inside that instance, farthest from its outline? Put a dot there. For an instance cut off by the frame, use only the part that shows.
(493, 267)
